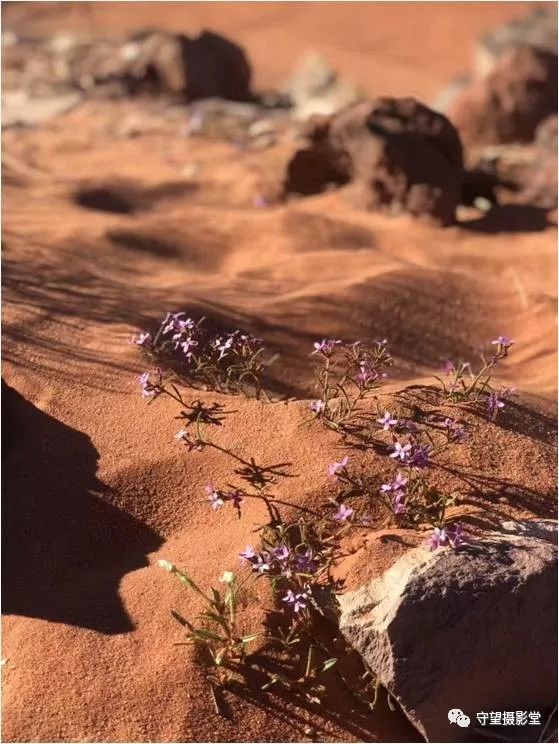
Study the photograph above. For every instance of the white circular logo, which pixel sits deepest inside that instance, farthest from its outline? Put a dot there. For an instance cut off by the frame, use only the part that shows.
(455, 715)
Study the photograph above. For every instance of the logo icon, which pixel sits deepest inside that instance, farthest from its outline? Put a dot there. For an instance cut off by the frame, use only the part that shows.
(455, 715)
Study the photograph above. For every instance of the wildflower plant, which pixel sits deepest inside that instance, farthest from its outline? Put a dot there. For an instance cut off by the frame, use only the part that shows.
(232, 362)
(216, 629)
(345, 374)
(463, 384)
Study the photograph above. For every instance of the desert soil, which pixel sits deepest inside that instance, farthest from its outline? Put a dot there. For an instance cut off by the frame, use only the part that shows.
(99, 490)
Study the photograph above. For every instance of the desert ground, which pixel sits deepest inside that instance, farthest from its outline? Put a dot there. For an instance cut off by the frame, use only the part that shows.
(118, 210)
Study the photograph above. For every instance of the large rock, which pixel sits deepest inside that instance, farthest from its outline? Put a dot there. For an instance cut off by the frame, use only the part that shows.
(537, 30)
(473, 628)
(395, 154)
(511, 101)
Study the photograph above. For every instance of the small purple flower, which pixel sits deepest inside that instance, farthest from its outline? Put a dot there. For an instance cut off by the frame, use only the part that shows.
(455, 431)
(420, 456)
(281, 553)
(184, 437)
(452, 535)
(142, 339)
(335, 467)
(299, 600)
(248, 553)
(494, 404)
(398, 503)
(503, 341)
(318, 407)
(366, 373)
(326, 346)
(401, 452)
(387, 421)
(344, 512)
(262, 564)
(150, 389)
(398, 484)
(305, 563)
(214, 497)
(449, 367)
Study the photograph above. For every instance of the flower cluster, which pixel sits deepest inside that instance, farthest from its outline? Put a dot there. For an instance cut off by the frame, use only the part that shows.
(218, 498)
(464, 384)
(450, 535)
(230, 362)
(281, 561)
(345, 374)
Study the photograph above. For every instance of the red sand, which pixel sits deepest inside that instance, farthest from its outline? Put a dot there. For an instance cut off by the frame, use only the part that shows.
(99, 488)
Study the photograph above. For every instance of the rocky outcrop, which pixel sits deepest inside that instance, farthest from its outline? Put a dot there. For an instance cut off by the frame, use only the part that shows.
(510, 102)
(473, 628)
(537, 30)
(394, 154)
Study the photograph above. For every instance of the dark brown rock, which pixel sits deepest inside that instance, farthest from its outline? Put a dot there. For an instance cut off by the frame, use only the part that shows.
(511, 101)
(473, 628)
(394, 154)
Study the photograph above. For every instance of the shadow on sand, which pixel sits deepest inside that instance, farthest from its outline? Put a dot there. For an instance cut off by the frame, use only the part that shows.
(64, 549)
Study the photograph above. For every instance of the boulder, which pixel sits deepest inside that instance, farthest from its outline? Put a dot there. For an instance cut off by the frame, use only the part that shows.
(537, 30)
(394, 154)
(511, 101)
(473, 628)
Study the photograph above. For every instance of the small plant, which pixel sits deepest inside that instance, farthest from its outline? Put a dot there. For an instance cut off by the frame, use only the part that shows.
(216, 631)
(345, 374)
(233, 362)
(463, 384)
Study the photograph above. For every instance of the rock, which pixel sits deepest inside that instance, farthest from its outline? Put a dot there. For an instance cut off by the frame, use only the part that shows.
(508, 104)
(20, 109)
(394, 154)
(516, 174)
(316, 88)
(538, 30)
(473, 628)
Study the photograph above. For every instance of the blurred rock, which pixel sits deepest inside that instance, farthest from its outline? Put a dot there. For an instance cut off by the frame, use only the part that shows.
(474, 628)
(538, 30)
(516, 174)
(395, 155)
(316, 88)
(19, 109)
(509, 103)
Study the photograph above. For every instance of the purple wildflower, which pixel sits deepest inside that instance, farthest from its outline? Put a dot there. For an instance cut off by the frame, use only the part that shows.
(335, 467)
(305, 563)
(503, 341)
(420, 456)
(366, 373)
(449, 367)
(248, 553)
(397, 484)
(452, 535)
(260, 201)
(142, 339)
(326, 346)
(262, 564)
(455, 431)
(402, 452)
(398, 503)
(298, 600)
(494, 403)
(281, 553)
(343, 513)
(387, 421)
(318, 407)
(214, 497)
(150, 389)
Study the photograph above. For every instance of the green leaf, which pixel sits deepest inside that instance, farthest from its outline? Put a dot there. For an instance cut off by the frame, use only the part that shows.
(249, 638)
(208, 635)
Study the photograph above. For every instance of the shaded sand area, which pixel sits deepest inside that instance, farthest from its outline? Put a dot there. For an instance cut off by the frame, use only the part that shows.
(102, 234)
